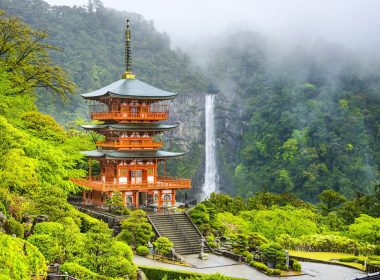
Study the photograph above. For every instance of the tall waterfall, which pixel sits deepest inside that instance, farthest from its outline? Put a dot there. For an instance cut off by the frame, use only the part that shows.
(211, 170)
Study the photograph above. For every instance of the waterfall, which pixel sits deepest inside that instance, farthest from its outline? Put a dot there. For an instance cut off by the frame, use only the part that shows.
(211, 172)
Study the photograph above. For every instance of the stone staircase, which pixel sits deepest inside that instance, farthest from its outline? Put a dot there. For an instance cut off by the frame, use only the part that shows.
(181, 231)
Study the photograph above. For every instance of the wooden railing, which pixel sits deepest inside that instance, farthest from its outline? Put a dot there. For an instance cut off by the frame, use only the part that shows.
(131, 143)
(130, 116)
(95, 183)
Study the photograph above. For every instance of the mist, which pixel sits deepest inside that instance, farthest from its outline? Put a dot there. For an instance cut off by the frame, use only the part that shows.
(352, 23)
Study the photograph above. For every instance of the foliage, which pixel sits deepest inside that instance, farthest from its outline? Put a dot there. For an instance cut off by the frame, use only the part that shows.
(48, 245)
(330, 200)
(302, 126)
(163, 245)
(199, 214)
(115, 202)
(258, 265)
(366, 228)
(273, 253)
(296, 266)
(142, 251)
(104, 255)
(163, 273)
(14, 227)
(25, 55)
(136, 230)
(19, 259)
(274, 272)
(80, 272)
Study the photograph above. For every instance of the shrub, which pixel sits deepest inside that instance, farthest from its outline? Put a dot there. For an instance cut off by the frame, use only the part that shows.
(163, 245)
(142, 251)
(348, 259)
(374, 258)
(48, 246)
(163, 273)
(296, 266)
(374, 262)
(274, 272)
(282, 266)
(14, 227)
(80, 272)
(249, 258)
(376, 251)
(260, 266)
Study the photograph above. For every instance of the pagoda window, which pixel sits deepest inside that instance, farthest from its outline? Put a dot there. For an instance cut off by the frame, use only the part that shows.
(123, 176)
(150, 175)
(136, 176)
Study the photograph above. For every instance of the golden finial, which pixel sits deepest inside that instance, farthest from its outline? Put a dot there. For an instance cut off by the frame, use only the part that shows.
(128, 56)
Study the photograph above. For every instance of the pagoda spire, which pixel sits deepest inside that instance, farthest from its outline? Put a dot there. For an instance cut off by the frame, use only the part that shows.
(128, 56)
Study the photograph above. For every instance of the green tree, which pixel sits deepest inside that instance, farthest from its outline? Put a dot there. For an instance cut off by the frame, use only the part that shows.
(365, 228)
(330, 200)
(136, 230)
(163, 245)
(25, 55)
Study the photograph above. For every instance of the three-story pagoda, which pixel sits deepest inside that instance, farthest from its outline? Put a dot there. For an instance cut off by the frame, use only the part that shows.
(132, 115)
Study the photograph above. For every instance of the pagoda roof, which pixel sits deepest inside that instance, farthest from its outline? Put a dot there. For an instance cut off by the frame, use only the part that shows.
(111, 154)
(131, 126)
(130, 88)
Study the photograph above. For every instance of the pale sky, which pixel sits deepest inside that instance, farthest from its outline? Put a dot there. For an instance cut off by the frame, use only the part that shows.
(355, 23)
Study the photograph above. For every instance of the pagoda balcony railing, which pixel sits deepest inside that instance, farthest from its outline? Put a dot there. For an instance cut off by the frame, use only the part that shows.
(95, 183)
(134, 143)
(130, 116)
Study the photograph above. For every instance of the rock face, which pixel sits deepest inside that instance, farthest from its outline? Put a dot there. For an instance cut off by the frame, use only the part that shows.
(188, 110)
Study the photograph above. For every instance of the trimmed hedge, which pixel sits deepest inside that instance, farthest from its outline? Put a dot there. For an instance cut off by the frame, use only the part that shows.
(274, 272)
(82, 273)
(260, 266)
(296, 266)
(161, 273)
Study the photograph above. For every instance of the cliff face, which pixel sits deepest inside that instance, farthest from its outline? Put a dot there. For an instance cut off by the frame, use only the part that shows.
(189, 111)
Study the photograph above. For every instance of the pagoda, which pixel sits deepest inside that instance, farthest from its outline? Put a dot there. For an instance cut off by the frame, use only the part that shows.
(131, 116)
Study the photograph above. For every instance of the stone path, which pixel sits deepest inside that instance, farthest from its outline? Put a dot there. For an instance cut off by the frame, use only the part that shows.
(226, 266)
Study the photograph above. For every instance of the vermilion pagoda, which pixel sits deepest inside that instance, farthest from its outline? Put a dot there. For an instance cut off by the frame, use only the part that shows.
(131, 113)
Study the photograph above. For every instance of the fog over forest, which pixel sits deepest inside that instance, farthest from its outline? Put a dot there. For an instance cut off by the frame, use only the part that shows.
(190, 23)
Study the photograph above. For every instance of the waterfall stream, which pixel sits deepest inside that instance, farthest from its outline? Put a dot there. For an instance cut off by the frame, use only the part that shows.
(211, 171)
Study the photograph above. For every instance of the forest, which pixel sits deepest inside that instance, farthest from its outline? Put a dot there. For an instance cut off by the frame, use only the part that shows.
(298, 141)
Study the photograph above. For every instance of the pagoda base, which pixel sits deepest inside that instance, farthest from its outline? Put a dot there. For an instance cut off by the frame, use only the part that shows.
(132, 199)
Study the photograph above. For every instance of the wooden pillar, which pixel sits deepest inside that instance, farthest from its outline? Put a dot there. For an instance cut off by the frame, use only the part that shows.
(173, 197)
(159, 202)
(136, 172)
(137, 199)
(156, 172)
(89, 168)
(164, 169)
(124, 200)
(84, 198)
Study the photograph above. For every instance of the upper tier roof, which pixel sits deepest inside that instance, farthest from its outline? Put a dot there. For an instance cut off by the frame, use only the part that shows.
(131, 126)
(130, 88)
(110, 154)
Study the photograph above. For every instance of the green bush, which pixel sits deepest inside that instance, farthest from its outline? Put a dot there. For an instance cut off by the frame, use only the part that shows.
(348, 259)
(14, 227)
(82, 273)
(376, 251)
(296, 266)
(274, 272)
(48, 246)
(260, 266)
(374, 258)
(142, 251)
(249, 257)
(282, 266)
(374, 262)
(164, 273)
